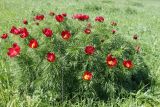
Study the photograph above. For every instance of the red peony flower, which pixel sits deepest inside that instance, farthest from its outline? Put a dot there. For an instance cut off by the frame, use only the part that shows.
(66, 34)
(47, 32)
(15, 30)
(113, 23)
(113, 31)
(59, 18)
(111, 61)
(14, 50)
(89, 50)
(33, 43)
(87, 76)
(25, 22)
(4, 36)
(23, 33)
(81, 17)
(51, 57)
(99, 19)
(87, 31)
(64, 14)
(16, 47)
(39, 17)
(51, 13)
(135, 37)
(128, 64)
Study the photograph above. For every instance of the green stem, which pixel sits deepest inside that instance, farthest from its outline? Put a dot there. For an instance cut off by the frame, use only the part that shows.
(62, 85)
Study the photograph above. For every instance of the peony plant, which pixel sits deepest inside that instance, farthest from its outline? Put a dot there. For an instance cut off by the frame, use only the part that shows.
(62, 57)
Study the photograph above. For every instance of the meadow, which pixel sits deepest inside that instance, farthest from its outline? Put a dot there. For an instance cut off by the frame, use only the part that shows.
(139, 17)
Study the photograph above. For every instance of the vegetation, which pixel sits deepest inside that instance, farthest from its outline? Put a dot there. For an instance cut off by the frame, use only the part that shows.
(108, 56)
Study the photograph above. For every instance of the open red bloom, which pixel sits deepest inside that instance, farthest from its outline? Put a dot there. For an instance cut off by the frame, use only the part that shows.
(47, 32)
(51, 57)
(59, 18)
(25, 22)
(19, 31)
(15, 30)
(128, 64)
(23, 33)
(81, 17)
(39, 17)
(99, 19)
(89, 50)
(87, 31)
(14, 50)
(16, 47)
(111, 61)
(33, 43)
(113, 23)
(66, 34)
(4, 36)
(87, 76)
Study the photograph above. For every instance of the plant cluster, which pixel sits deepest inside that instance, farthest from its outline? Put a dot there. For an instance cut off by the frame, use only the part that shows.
(92, 58)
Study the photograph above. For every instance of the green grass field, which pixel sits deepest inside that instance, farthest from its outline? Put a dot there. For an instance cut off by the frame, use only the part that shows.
(140, 17)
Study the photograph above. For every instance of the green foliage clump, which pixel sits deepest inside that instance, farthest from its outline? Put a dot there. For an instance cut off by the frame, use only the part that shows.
(62, 80)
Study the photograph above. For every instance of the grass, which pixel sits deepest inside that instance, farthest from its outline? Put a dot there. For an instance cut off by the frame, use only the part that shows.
(133, 16)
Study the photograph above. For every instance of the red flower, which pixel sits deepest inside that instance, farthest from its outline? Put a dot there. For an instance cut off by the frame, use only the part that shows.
(87, 31)
(89, 50)
(23, 33)
(51, 57)
(39, 17)
(87, 76)
(64, 14)
(33, 43)
(14, 50)
(111, 61)
(47, 32)
(113, 23)
(25, 22)
(135, 37)
(128, 64)
(4, 36)
(15, 30)
(51, 13)
(16, 47)
(66, 34)
(81, 17)
(99, 19)
(113, 31)
(59, 18)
